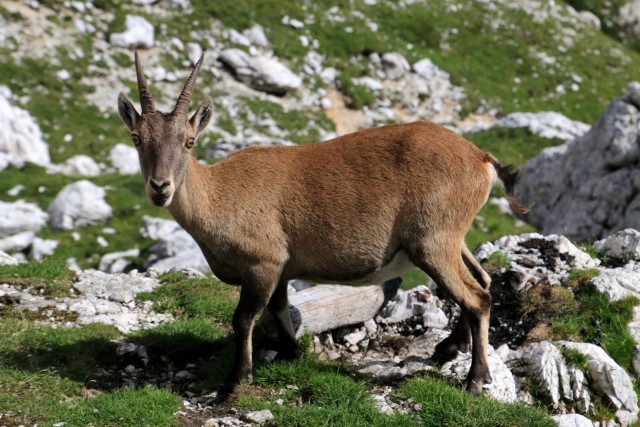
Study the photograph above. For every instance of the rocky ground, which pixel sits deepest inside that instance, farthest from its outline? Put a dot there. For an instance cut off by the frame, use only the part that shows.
(398, 342)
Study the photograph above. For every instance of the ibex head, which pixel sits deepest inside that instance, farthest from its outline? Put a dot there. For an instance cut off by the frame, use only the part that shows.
(164, 140)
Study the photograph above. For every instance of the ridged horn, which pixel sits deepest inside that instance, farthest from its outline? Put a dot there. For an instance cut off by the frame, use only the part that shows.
(146, 100)
(182, 105)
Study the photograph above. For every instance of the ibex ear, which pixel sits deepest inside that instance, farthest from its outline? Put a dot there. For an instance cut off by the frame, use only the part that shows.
(127, 111)
(202, 117)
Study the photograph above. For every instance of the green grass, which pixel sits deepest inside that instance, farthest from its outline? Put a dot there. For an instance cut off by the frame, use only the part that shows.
(443, 405)
(496, 263)
(600, 321)
(52, 276)
(575, 358)
(194, 298)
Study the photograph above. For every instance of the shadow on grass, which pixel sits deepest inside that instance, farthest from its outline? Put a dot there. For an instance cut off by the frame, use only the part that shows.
(99, 362)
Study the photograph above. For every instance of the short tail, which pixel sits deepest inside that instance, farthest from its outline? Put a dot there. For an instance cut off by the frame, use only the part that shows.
(510, 175)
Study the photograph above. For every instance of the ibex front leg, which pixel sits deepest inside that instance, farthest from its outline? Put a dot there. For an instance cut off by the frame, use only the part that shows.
(257, 288)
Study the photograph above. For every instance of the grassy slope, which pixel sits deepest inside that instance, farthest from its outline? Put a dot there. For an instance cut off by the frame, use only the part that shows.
(71, 375)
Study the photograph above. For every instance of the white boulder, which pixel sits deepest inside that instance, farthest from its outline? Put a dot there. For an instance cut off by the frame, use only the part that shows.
(20, 216)
(20, 135)
(78, 205)
(139, 33)
(609, 380)
(175, 247)
(78, 165)
(125, 159)
(260, 72)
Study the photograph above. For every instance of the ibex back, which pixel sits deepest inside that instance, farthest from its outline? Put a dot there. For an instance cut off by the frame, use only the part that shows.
(361, 208)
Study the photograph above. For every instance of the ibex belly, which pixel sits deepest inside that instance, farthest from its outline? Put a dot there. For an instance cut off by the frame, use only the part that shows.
(399, 265)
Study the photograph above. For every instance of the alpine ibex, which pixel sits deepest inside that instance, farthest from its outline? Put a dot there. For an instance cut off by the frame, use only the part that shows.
(361, 208)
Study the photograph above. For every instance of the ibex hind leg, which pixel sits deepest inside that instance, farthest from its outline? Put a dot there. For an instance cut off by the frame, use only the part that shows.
(448, 270)
(460, 338)
(288, 348)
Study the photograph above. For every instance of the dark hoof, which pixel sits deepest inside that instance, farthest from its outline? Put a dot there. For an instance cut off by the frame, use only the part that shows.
(475, 386)
(444, 353)
(289, 354)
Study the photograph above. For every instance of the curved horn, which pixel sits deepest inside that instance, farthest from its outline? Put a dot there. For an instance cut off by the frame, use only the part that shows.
(182, 106)
(146, 100)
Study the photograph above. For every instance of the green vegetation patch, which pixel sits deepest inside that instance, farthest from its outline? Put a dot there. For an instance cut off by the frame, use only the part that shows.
(52, 276)
(576, 311)
(317, 393)
(188, 298)
(443, 405)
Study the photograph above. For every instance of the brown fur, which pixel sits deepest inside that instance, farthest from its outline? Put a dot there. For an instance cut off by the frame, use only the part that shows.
(336, 211)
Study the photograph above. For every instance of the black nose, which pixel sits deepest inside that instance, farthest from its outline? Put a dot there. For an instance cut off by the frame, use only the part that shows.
(159, 187)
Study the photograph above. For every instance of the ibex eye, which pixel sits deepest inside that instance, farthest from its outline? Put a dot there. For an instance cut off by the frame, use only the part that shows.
(189, 143)
(136, 140)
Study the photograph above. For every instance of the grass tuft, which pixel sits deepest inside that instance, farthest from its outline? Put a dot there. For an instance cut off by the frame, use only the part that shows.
(443, 405)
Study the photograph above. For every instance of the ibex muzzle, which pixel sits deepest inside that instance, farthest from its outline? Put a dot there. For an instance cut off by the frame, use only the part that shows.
(361, 207)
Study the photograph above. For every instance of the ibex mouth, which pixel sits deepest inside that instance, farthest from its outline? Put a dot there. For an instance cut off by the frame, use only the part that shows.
(160, 200)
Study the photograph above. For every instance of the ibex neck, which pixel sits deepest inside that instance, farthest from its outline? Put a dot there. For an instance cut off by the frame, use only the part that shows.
(193, 198)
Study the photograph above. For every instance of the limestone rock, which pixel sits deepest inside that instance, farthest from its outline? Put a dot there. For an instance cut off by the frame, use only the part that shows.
(125, 159)
(622, 246)
(572, 420)
(139, 33)
(546, 124)
(394, 64)
(545, 364)
(535, 258)
(20, 216)
(260, 72)
(618, 283)
(609, 380)
(79, 165)
(6, 259)
(20, 136)
(77, 205)
(175, 247)
(588, 187)
(418, 301)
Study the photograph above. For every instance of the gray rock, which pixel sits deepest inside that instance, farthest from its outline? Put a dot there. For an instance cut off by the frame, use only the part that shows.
(609, 380)
(394, 64)
(77, 205)
(116, 262)
(258, 417)
(78, 165)
(6, 259)
(572, 420)
(17, 242)
(260, 72)
(41, 248)
(139, 33)
(618, 283)
(125, 159)
(587, 188)
(20, 136)
(529, 254)
(20, 216)
(543, 362)
(622, 246)
(418, 301)
(257, 36)
(175, 247)
(545, 124)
